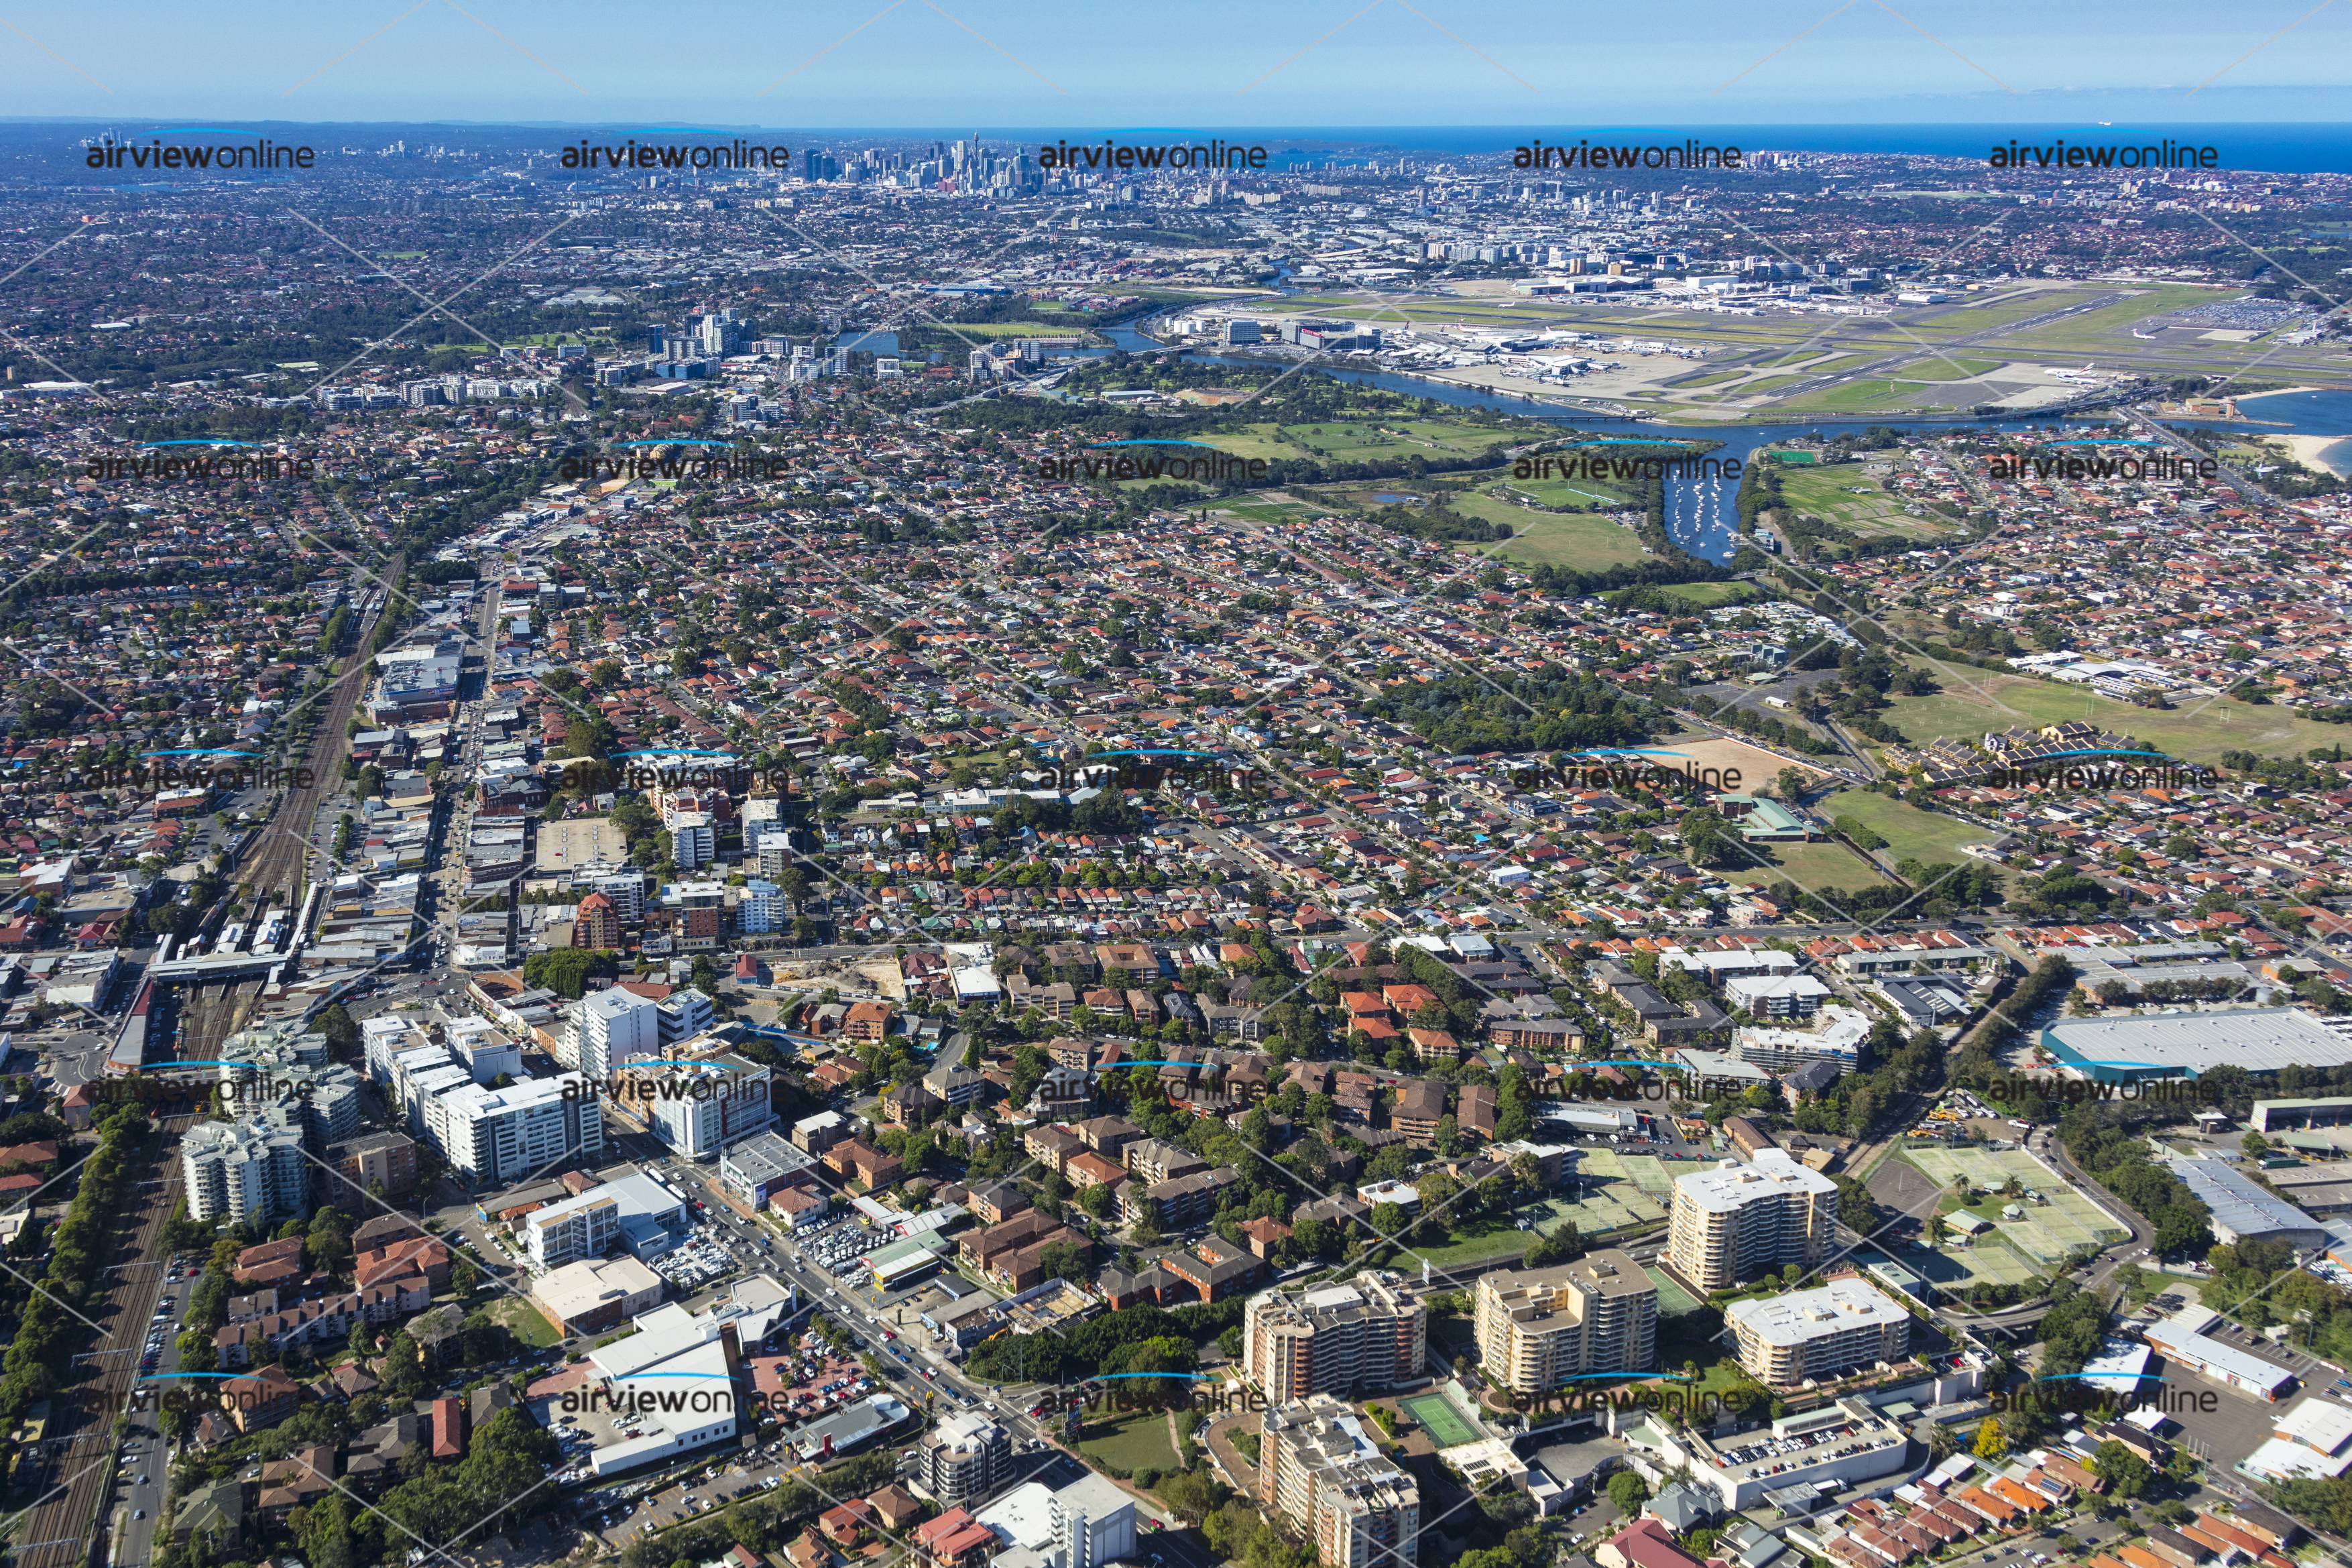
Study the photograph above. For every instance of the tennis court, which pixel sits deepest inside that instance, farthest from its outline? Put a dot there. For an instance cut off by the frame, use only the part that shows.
(1434, 1411)
(1609, 1194)
(2046, 1232)
(1673, 1300)
(1653, 1176)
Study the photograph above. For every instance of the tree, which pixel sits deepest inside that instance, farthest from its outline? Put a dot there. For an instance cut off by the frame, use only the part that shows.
(326, 1246)
(1062, 1260)
(1628, 1491)
(1988, 1445)
(1564, 1245)
(1706, 840)
(2126, 1473)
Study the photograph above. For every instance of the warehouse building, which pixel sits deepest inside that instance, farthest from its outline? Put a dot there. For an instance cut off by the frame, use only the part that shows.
(2243, 1211)
(2182, 1341)
(2136, 1047)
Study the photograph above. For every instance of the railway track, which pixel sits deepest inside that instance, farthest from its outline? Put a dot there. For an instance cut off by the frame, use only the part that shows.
(276, 859)
(66, 1531)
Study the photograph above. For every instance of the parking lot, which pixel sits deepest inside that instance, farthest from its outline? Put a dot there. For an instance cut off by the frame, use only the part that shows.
(840, 1247)
(703, 1259)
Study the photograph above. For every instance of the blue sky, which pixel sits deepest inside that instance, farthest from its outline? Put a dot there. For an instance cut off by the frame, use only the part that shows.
(1202, 63)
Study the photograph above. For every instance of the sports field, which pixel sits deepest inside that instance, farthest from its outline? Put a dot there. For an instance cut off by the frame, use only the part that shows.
(1910, 832)
(2050, 1230)
(1446, 1424)
(1577, 541)
(1989, 1262)
(1814, 867)
(1843, 494)
(2195, 731)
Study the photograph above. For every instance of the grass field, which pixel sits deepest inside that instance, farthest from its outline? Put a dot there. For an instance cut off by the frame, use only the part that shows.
(1980, 315)
(1701, 595)
(1131, 1439)
(1562, 492)
(1841, 493)
(1265, 512)
(1813, 867)
(1359, 441)
(1861, 396)
(2191, 732)
(1577, 541)
(1910, 832)
(2110, 325)
(2049, 1231)
(1446, 1424)
(527, 1324)
(1958, 368)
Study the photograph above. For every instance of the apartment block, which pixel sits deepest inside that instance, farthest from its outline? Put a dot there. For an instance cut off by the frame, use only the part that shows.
(1539, 1328)
(1321, 1471)
(1364, 1335)
(1736, 1221)
(494, 1135)
(1819, 1333)
(963, 1458)
(254, 1168)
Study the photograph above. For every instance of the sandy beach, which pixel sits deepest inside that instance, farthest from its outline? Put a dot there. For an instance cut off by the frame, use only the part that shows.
(2307, 449)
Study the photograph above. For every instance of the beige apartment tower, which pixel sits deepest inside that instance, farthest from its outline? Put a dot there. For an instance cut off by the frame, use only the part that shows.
(1539, 1328)
(1357, 1337)
(1736, 1221)
(1819, 1333)
(1320, 1470)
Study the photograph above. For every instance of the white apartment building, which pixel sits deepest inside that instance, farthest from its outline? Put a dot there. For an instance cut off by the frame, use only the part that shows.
(1819, 1334)
(627, 889)
(699, 1105)
(965, 1457)
(611, 1027)
(1734, 1221)
(496, 1135)
(253, 1168)
(691, 840)
(579, 1228)
(1540, 1328)
(761, 910)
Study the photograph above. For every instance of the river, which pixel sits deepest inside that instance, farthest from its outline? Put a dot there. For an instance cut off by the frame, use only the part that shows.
(1702, 517)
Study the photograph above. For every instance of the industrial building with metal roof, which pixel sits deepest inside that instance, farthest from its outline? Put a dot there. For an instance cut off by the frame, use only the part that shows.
(2138, 1047)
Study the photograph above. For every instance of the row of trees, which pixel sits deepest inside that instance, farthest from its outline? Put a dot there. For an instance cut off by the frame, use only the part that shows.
(55, 1313)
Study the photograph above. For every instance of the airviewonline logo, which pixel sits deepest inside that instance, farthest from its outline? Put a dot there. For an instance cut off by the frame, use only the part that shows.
(2097, 768)
(2103, 457)
(203, 767)
(208, 460)
(1148, 459)
(673, 457)
(1605, 464)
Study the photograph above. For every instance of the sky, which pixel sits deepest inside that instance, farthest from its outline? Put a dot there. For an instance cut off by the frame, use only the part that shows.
(1198, 64)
